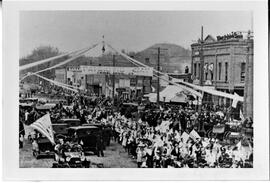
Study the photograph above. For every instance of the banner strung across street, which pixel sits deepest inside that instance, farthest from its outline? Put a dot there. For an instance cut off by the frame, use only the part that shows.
(135, 71)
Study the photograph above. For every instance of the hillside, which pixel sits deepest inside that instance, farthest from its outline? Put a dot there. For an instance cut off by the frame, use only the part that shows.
(174, 58)
(173, 50)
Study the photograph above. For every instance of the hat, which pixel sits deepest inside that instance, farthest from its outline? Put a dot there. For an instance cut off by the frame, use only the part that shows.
(141, 144)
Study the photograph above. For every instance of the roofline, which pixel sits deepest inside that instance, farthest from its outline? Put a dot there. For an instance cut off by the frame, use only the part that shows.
(228, 42)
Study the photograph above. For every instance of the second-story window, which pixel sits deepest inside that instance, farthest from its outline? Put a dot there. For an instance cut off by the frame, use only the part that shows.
(195, 69)
(219, 71)
(226, 71)
(243, 71)
(199, 68)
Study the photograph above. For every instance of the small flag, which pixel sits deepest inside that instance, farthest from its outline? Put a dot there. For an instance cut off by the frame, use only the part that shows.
(239, 145)
(205, 67)
(194, 135)
(185, 137)
(44, 126)
(242, 116)
(234, 103)
(211, 67)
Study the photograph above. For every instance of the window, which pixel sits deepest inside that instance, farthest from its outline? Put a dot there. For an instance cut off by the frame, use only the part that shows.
(243, 71)
(226, 71)
(212, 75)
(147, 61)
(199, 68)
(133, 81)
(219, 71)
(195, 69)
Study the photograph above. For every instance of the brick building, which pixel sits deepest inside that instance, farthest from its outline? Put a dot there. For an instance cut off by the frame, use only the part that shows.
(227, 65)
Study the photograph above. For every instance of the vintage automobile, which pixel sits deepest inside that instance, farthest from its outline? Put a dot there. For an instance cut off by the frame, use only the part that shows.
(42, 147)
(28, 100)
(88, 136)
(46, 107)
(71, 157)
(70, 122)
(106, 132)
(58, 101)
(60, 130)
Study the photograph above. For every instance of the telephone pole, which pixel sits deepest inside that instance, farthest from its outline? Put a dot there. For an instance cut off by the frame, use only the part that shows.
(113, 79)
(199, 100)
(158, 68)
(201, 59)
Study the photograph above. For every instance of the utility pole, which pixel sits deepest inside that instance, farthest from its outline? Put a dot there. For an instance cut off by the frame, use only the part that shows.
(158, 68)
(201, 70)
(201, 59)
(113, 79)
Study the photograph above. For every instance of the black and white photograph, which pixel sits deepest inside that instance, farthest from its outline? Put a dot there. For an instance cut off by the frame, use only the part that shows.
(137, 89)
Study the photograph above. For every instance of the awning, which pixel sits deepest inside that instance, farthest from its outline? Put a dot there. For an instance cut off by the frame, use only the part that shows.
(179, 98)
(170, 94)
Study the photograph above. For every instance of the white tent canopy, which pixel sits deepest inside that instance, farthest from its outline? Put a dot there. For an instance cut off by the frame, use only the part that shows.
(170, 94)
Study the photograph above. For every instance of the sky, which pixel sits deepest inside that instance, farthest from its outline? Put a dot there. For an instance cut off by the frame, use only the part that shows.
(129, 30)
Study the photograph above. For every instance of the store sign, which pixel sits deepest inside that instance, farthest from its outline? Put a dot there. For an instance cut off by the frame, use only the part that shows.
(134, 71)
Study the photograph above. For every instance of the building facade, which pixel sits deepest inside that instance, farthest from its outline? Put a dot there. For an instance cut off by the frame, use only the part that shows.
(102, 84)
(227, 65)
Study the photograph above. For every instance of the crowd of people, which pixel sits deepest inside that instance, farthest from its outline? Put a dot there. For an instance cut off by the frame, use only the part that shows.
(170, 136)
(164, 146)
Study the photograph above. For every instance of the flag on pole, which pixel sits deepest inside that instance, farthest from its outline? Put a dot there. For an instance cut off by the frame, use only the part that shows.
(211, 67)
(235, 101)
(164, 126)
(242, 116)
(239, 145)
(185, 137)
(205, 67)
(44, 126)
(194, 135)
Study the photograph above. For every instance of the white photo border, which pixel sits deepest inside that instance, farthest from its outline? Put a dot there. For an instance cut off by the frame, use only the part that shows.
(11, 170)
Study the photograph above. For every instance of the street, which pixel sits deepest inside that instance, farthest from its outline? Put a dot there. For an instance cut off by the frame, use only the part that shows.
(114, 157)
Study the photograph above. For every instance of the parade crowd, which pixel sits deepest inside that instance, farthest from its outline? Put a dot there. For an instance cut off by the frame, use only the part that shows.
(164, 137)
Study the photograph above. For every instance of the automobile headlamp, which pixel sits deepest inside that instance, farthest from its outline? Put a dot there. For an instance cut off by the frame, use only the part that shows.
(83, 158)
(68, 159)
